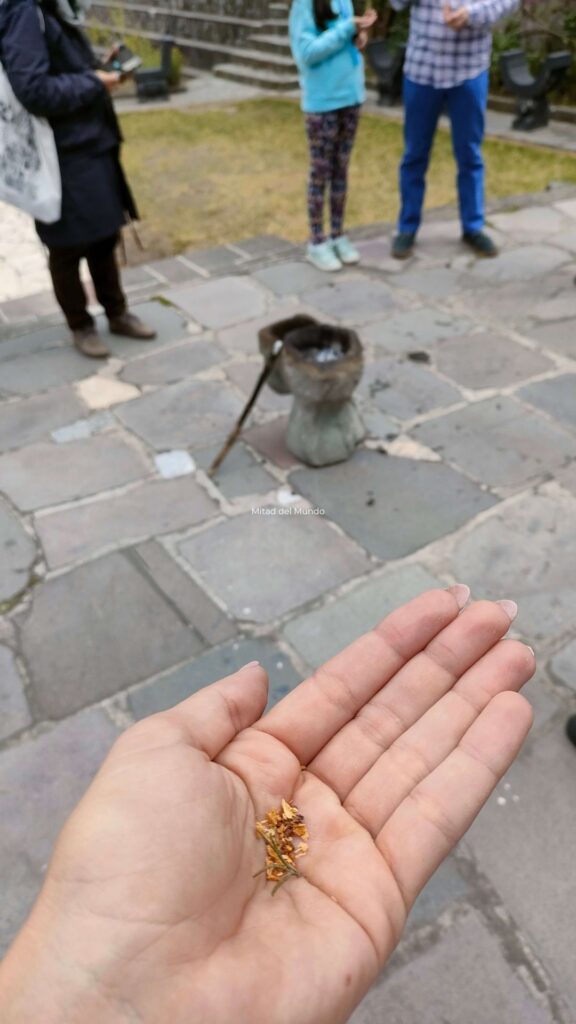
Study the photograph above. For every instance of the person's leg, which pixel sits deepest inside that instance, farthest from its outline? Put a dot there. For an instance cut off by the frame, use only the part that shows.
(467, 111)
(101, 258)
(64, 266)
(348, 119)
(422, 108)
(322, 130)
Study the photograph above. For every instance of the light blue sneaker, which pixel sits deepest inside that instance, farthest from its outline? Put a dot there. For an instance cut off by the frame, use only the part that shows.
(345, 251)
(323, 257)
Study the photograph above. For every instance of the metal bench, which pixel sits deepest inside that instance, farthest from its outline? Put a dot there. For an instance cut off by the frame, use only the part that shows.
(533, 110)
(387, 62)
(154, 83)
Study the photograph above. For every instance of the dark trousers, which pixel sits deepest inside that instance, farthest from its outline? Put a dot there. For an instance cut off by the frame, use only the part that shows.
(64, 264)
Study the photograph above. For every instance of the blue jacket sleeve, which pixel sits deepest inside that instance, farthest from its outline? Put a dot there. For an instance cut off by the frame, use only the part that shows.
(310, 47)
(485, 13)
(26, 62)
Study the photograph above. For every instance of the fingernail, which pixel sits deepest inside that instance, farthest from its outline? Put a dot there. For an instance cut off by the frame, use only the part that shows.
(251, 664)
(510, 607)
(532, 651)
(461, 592)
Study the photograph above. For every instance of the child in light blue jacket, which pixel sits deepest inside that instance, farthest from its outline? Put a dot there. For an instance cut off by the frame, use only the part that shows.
(326, 38)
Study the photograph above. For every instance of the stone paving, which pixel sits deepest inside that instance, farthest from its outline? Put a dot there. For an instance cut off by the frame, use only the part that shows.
(128, 578)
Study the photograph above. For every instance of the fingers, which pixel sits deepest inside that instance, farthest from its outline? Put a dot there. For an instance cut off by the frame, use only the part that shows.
(437, 813)
(434, 736)
(317, 709)
(412, 691)
(216, 714)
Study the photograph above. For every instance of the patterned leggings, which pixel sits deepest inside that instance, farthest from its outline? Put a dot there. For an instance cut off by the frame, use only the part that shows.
(330, 139)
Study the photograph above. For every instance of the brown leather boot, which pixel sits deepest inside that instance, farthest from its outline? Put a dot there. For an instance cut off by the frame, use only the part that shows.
(130, 326)
(88, 342)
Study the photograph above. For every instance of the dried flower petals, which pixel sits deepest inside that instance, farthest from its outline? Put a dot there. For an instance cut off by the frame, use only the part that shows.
(285, 835)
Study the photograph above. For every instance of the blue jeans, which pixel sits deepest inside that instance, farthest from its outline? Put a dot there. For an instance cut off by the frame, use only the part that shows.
(466, 108)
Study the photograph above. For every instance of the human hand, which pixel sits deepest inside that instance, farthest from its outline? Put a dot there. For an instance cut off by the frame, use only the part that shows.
(150, 910)
(366, 20)
(361, 40)
(112, 53)
(456, 19)
(110, 79)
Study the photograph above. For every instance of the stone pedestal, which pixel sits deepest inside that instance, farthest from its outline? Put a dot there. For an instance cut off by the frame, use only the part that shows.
(321, 366)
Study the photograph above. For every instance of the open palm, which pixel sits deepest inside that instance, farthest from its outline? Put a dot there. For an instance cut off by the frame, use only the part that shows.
(389, 751)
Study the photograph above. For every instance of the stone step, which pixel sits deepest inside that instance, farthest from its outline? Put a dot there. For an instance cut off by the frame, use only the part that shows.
(273, 26)
(156, 22)
(264, 79)
(273, 43)
(263, 59)
(279, 10)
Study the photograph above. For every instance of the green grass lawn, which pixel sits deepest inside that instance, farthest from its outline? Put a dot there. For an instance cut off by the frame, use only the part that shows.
(212, 175)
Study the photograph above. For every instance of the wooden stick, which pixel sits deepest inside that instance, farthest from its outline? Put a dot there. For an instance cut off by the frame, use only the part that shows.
(235, 433)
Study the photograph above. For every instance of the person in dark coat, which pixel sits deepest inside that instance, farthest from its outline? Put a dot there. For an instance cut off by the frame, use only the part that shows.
(55, 74)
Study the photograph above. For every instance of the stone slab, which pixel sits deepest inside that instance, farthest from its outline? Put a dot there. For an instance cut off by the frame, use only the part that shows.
(153, 508)
(118, 629)
(220, 303)
(176, 686)
(191, 414)
(498, 442)
(175, 270)
(99, 392)
(415, 329)
(47, 474)
(302, 554)
(245, 374)
(43, 370)
(527, 553)
(555, 396)
(488, 360)
(33, 339)
(526, 847)
(264, 245)
(385, 510)
(432, 282)
(17, 554)
(560, 337)
(169, 323)
(563, 666)
(239, 474)
(290, 278)
(173, 364)
(216, 260)
(559, 307)
(445, 888)
(444, 985)
(14, 711)
(531, 223)
(243, 337)
(81, 429)
(41, 781)
(404, 389)
(31, 419)
(321, 633)
(198, 609)
(175, 463)
(525, 264)
(357, 300)
(270, 440)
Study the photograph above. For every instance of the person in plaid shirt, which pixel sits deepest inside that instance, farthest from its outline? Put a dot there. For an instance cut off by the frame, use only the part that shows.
(447, 67)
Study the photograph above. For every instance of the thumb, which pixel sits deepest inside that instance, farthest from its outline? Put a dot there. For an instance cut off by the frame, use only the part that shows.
(217, 713)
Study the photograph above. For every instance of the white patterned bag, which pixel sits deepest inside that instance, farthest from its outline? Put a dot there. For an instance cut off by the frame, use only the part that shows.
(29, 168)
